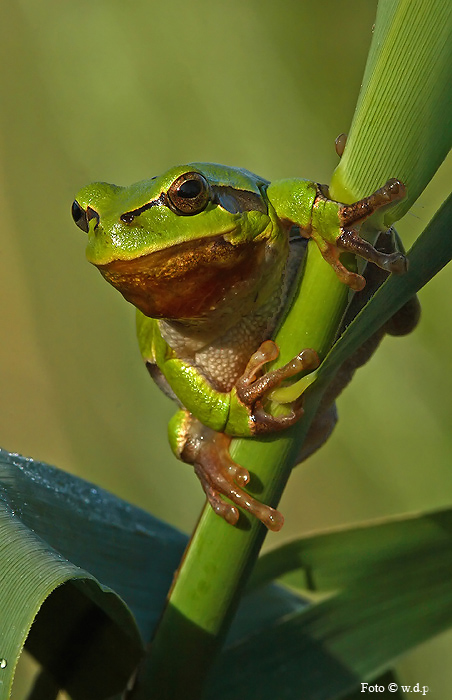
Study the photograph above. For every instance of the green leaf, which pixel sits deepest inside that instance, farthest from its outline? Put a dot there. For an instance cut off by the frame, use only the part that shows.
(402, 126)
(64, 545)
(330, 559)
(389, 584)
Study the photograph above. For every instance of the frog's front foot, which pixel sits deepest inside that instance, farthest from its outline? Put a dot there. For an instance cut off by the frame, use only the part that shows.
(252, 390)
(221, 476)
(351, 216)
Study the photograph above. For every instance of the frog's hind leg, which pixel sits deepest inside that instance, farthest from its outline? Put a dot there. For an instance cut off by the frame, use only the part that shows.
(208, 452)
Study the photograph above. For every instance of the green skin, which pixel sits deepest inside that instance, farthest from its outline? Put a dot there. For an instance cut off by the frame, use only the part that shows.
(206, 254)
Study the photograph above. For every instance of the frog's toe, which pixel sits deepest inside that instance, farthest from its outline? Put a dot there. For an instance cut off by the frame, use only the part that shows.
(239, 474)
(396, 262)
(225, 510)
(264, 422)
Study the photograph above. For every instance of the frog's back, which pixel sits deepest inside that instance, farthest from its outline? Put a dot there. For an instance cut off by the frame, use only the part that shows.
(239, 178)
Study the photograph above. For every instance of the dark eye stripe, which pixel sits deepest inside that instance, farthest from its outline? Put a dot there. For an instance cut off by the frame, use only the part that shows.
(129, 216)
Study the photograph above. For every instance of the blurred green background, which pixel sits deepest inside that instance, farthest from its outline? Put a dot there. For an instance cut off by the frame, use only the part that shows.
(117, 91)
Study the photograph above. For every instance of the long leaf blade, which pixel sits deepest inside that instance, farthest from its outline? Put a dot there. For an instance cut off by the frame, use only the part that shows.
(64, 546)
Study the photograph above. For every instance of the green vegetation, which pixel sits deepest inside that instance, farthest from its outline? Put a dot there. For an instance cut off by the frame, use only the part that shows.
(115, 92)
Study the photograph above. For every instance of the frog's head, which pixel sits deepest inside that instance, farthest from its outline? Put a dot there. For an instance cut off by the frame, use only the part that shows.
(176, 245)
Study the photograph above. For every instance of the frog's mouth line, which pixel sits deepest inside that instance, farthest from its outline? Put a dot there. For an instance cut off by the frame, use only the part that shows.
(187, 280)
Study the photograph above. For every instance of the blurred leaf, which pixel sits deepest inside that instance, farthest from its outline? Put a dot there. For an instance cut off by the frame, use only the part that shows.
(330, 558)
(392, 591)
(64, 545)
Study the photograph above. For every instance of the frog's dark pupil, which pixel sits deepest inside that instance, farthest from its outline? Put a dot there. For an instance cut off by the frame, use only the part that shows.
(190, 189)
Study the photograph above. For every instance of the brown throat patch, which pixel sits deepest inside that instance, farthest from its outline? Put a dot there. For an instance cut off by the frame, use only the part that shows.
(188, 280)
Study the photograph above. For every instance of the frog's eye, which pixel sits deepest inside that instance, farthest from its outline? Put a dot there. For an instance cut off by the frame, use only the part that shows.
(189, 194)
(82, 217)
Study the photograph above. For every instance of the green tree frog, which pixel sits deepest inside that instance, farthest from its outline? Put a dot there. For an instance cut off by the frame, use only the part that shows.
(208, 254)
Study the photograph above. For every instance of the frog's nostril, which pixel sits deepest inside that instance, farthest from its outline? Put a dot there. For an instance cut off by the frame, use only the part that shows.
(92, 214)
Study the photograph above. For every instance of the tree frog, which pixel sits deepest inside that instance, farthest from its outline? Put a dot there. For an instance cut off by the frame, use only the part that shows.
(208, 255)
